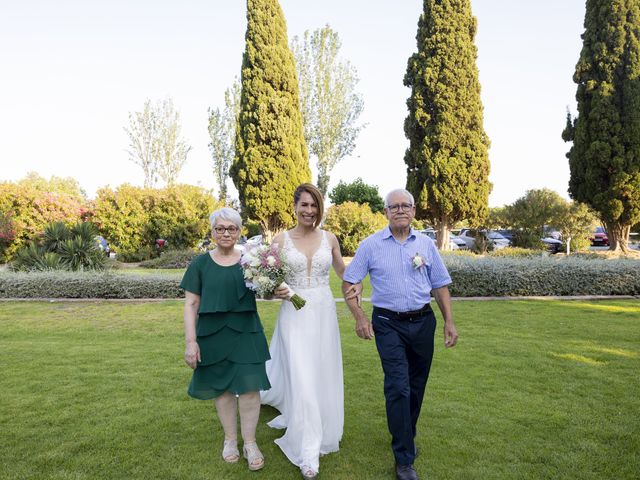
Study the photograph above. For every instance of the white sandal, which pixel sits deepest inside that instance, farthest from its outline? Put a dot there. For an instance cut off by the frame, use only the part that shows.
(230, 453)
(253, 455)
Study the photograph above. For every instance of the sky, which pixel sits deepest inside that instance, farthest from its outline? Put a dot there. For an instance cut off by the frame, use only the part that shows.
(73, 70)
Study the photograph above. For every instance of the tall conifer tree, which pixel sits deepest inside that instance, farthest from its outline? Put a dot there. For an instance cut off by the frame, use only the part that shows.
(605, 157)
(271, 157)
(447, 159)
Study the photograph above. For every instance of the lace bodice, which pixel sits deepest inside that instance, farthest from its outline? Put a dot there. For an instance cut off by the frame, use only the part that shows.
(300, 276)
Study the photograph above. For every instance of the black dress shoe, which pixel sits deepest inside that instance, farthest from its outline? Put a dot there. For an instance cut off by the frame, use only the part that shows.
(406, 472)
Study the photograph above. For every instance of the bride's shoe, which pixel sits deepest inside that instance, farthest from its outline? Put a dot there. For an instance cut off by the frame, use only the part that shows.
(253, 455)
(230, 452)
(308, 473)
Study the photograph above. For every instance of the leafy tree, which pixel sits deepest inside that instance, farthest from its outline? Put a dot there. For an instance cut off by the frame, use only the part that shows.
(271, 155)
(222, 130)
(447, 159)
(575, 221)
(497, 218)
(604, 159)
(329, 102)
(351, 223)
(155, 143)
(61, 185)
(529, 215)
(359, 192)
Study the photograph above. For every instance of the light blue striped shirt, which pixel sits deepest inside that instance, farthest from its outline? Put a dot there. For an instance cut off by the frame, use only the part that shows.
(397, 284)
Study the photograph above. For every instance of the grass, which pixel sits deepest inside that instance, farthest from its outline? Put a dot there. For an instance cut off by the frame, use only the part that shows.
(534, 390)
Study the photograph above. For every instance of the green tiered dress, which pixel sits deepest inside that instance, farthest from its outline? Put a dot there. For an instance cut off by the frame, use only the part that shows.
(233, 348)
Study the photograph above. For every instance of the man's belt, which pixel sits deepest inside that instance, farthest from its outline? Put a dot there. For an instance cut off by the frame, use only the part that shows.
(410, 314)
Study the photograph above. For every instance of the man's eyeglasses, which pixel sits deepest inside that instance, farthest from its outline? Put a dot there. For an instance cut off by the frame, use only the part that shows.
(395, 208)
(220, 230)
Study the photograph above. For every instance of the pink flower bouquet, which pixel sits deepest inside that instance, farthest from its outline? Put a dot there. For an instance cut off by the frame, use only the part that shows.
(265, 269)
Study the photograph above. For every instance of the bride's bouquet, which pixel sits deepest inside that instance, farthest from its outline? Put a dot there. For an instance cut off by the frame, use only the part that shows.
(265, 269)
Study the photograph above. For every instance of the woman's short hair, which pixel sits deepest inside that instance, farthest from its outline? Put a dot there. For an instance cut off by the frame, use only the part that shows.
(407, 193)
(317, 198)
(225, 213)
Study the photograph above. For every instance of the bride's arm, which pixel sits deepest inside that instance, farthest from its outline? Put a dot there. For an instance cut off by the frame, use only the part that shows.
(338, 265)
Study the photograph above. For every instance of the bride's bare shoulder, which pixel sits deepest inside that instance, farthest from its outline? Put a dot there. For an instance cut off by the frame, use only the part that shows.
(279, 239)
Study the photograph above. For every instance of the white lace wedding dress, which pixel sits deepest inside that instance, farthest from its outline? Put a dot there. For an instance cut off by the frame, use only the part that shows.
(305, 369)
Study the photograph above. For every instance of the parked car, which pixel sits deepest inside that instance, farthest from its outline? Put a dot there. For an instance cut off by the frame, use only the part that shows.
(551, 239)
(553, 244)
(455, 242)
(549, 232)
(495, 239)
(599, 238)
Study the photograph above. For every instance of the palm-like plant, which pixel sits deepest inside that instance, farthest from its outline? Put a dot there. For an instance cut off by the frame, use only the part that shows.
(62, 248)
(54, 234)
(34, 257)
(80, 253)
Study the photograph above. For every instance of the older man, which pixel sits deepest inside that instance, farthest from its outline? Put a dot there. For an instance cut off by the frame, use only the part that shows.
(405, 268)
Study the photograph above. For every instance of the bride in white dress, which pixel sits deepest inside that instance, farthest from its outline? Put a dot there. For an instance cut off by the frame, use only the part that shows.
(305, 369)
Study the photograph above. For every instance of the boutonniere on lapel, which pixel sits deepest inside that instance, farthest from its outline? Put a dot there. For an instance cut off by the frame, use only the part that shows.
(418, 261)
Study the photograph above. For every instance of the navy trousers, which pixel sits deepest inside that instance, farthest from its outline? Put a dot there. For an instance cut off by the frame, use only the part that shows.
(405, 346)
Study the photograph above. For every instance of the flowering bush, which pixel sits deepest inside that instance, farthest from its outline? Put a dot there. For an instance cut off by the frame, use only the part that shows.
(27, 209)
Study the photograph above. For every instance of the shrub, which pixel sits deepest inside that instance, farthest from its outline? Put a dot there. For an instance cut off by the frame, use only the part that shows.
(132, 218)
(171, 259)
(62, 284)
(472, 277)
(517, 252)
(26, 209)
(351, 223)
(543, 276)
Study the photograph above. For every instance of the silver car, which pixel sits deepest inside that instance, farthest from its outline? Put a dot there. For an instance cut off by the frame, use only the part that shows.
(495, 239)
(455, 242)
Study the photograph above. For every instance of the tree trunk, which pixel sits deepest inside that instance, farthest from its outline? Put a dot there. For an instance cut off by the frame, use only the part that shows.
(618, 237)
(442, 235)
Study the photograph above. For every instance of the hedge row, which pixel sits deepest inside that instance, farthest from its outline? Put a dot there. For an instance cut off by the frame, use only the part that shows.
(472, 277)
(542, 276)
(87, 285)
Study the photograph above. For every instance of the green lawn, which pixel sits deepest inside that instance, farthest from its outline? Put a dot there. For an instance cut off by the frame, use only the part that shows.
(534, 390)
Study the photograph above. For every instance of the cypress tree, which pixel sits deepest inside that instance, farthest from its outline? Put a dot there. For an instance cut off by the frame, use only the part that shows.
(447, 159)
(271, 157)
(604, 160)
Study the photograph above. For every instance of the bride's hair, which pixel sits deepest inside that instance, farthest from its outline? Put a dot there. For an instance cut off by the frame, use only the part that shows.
(317, 198)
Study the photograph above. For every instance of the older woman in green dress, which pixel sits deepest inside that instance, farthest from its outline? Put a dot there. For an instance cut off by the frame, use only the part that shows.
(225, 342)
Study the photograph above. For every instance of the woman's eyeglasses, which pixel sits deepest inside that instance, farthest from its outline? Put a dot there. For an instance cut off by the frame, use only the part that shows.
(220, 230)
